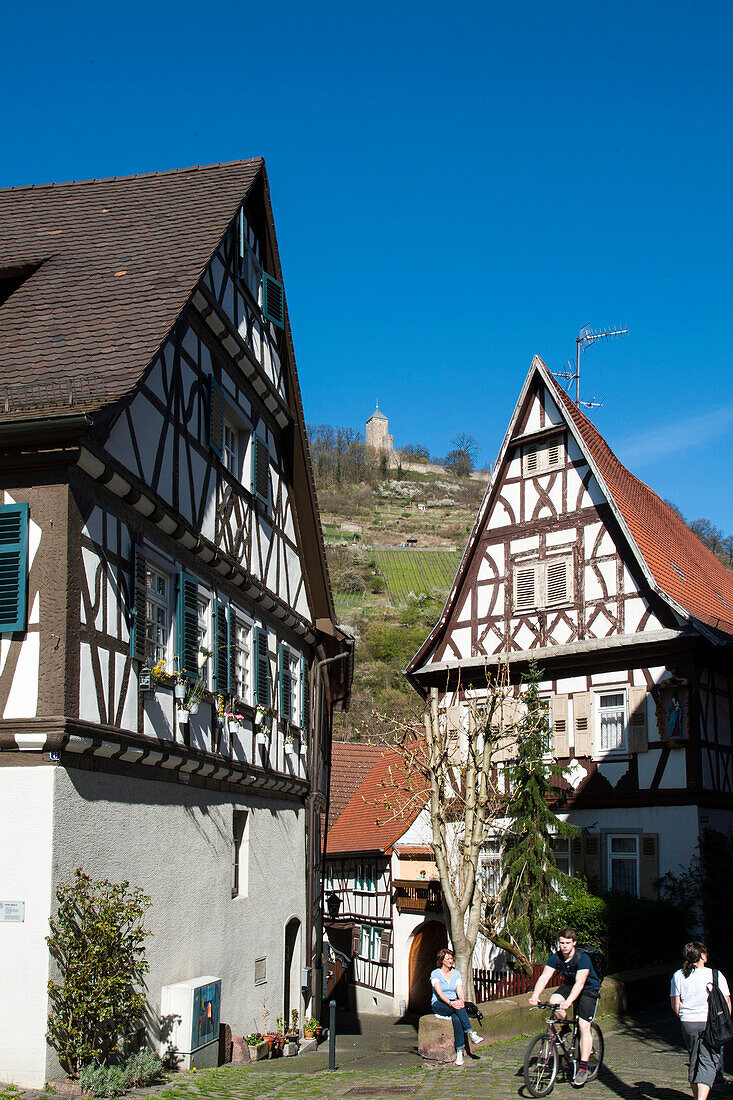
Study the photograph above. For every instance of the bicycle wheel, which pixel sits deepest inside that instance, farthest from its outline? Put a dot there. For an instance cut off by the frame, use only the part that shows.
(595, 1061)
(540, 1065)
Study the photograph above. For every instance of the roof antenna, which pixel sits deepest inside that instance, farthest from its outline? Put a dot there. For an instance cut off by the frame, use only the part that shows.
(583, 341)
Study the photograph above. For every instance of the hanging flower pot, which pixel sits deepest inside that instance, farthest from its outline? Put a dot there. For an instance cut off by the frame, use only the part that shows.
(183, 716)
(180, 691)
(303, 748)
(290, 748)
(194, 708)
(262, 738)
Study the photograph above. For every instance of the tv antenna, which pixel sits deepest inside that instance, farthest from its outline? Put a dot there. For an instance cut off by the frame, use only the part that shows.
(583, 341)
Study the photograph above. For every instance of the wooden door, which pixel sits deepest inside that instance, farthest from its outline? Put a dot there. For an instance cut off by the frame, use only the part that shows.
(426, 943)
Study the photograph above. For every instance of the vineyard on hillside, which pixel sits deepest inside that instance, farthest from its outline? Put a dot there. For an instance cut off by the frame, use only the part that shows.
(416, 571)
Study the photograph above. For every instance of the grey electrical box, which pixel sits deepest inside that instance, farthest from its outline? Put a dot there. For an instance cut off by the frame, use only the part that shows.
(305, 978)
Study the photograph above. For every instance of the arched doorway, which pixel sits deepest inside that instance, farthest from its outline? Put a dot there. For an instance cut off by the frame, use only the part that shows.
(291, 976)
(427, 941)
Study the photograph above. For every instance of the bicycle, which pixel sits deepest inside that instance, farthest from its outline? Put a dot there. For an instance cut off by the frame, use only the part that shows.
(546, 1050)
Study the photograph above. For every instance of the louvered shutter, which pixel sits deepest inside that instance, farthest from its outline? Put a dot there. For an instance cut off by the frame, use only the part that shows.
(638, 738)
(553, 452)
(187, 625)
(592, 853)
(385, 944)
(262, 668)
(531, 460)
(576, 855)
(216, 417)
(138, 618)
(13, 567)
(582, 722)
(273, 300)
(649, 865)
(560, 735)
(557, 582)
(356, 940)
(305, 696)
(503, 726)
(286, 684)
(453, 734)
(260, 469)
(525, 587)
(221, 643)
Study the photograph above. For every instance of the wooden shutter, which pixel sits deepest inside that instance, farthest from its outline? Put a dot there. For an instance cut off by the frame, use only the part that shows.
(221, 647)
(592, 857)
(286, 684)
(262, 667)
(531, 459)
(216, 417)
(305, 696)
(356, 940)
(582, 723)
(138, 617)
(525, 587)
(649, 843)
(560, 734)
(232, 649)
(385, 944)
(638, 737)
(505, 719)
(187, 625)
(242, 235)
(260, 469)
(273, 300)
(557, 582)
(453, 734)
(13, 567)
(577, 856)
(553, 452)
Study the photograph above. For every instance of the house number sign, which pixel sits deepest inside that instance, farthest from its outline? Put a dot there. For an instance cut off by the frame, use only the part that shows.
(12, 911)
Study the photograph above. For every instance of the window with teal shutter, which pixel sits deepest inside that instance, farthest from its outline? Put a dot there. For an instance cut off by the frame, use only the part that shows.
(187, 625)
(221, 647)
(305, 695)
(13, 567)
(262, 668)
(138, 625)
(273, 300)
(286, 685)
(216, 417)
(260, 469)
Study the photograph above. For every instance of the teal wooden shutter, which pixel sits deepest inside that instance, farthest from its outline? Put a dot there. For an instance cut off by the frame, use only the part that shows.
(232, 643)
(187, 625)
(138, 618)
(260, 469)
(216, 417)
(273, 300)
(13, 567)
(262, 667)
(286, 684)
(242, 239)
(305, 695)
(221, 647)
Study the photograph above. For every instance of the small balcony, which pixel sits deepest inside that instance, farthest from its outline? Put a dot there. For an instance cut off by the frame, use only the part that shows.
(417, 896)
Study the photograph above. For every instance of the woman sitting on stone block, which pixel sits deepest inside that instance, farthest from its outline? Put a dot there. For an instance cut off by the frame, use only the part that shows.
(447, 1000)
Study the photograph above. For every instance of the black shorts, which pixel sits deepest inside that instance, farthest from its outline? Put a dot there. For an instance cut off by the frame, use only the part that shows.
(584, 1005)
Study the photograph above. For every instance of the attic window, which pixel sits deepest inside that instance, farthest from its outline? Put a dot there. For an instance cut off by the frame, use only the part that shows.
(677, 570)
(12, 279)
(538, 458)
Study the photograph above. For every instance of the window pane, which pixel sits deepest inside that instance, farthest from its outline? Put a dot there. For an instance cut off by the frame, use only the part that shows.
(623, 876)
(624, 844)
(616, 700)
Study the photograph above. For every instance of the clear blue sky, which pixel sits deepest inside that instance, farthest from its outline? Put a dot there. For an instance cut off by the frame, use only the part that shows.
(456, 188)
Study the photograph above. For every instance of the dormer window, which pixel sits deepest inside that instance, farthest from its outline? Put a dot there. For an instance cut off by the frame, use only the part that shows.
(545, 455)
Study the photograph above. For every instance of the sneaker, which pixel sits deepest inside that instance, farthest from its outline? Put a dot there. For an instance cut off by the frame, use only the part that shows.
(581, 1076)
(475, 1038)
(459, 1058)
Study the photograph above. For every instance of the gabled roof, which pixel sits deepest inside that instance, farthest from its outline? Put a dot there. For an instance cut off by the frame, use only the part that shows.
(351, 763)
(109, 266)
(699, 589)
(379, 810)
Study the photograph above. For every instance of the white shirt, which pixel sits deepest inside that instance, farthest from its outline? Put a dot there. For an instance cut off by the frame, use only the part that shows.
(693, 992)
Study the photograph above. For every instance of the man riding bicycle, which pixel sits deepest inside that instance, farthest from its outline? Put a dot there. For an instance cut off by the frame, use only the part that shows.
(581, 987)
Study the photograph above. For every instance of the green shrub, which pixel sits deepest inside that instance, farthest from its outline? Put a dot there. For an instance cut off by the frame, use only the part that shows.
(103, 1080)
(143, 1068)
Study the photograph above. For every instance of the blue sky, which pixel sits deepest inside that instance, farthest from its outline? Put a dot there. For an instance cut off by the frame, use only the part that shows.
(456, 188)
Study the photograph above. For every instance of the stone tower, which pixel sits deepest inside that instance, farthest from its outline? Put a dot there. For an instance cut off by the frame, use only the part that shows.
(377, 436)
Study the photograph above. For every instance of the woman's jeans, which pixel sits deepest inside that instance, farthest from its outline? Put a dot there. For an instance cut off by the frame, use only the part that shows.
(461, 1022)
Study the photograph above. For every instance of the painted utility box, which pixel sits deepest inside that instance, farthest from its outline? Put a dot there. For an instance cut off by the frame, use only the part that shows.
(189, 1025)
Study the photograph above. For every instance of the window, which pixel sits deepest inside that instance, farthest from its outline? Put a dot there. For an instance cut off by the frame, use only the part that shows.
(242, 678)
(623, 864)
(13, 566)
(249, 264)
(231, 449)
(371, 942)
(611, 730)
(540, 457)
(262, 668)
(365, 878)
(203, 637)
(157, 614)
(490, 867)
(543, 584)
(260, 469)
(240, 853)
(261, 971)
(561, 850)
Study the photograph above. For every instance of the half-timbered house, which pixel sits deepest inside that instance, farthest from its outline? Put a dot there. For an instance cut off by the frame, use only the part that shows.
(576, 563)
(159, 537)
(387, 920)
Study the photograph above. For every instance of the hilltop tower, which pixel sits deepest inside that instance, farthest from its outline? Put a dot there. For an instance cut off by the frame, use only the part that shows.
(377, 435)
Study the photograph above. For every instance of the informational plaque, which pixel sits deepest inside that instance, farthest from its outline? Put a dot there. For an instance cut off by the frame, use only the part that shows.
(12, 911)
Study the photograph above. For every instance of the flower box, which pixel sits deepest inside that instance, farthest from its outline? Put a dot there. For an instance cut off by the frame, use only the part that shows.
(259, 1051)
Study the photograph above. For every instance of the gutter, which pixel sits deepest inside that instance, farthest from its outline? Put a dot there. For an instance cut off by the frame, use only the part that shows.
(24, 429)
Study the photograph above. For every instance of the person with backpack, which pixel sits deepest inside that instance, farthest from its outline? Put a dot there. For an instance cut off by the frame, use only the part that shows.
(581, 987)
(695, 988)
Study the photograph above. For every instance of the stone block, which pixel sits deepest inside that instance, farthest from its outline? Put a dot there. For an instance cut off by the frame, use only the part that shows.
(307, 1046)
(435, 1042)
(240, 1050)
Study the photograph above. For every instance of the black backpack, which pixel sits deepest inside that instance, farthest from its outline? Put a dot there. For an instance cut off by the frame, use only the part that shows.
(719, 1029)
(595, 955)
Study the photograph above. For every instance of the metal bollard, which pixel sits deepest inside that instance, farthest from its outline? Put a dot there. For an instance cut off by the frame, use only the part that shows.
(332, 1035)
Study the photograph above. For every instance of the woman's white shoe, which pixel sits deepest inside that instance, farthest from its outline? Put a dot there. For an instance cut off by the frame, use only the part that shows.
(475, 1038)
(459, 1057)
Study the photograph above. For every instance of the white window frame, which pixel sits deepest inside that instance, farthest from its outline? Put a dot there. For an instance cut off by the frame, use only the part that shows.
(365, 873)
(154, 649)
(598, 712)
(241, 621)
(612, 857)
(562, 851)
(490, 866)
(544, 455)
(204, 634)
(541, 597)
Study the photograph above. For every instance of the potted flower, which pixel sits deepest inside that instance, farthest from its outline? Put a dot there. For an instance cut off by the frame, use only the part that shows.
(258, 1046)
(203, 655)
(303, 747)
(158, 674)
(289, 744)
(179, 687)
(310, 1027)
(262, 726)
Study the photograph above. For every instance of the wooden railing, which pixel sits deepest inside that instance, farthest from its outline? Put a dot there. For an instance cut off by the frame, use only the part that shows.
(492, 985)
(417, 896)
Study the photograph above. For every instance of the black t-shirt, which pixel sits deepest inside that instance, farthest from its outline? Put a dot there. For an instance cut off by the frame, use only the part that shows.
(579, 960)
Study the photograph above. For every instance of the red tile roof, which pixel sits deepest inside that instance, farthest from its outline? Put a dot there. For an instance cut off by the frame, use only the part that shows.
(381, 808)
(351, 763)
(700, 583)
(110, 264)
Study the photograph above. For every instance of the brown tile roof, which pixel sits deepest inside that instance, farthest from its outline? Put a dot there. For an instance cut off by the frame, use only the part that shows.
(381, 809)
(112, 263)
(700, 583)
(351, 763)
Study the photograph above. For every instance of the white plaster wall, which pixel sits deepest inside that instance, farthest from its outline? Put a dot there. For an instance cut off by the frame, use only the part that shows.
(26, 816)
(174, 841)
